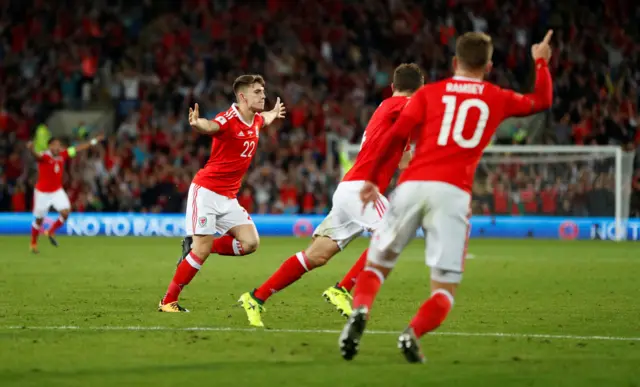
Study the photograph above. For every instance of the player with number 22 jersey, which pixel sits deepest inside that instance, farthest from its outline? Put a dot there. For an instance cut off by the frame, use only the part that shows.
(212, 207)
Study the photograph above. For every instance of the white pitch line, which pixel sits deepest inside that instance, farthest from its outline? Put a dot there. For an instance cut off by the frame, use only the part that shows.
(332, 331)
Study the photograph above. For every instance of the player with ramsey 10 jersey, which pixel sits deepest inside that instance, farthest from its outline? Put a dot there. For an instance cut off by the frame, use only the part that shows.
(455, 119)
(346, 220)
(212, 205)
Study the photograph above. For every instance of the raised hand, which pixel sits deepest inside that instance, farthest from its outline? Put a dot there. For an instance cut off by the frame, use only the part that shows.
(194, 115)
(542, 50)
(279, 109)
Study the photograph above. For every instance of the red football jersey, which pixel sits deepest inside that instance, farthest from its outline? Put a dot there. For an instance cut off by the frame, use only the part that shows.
(456, 119)
(50, 170)
(232, 149)
(381, 122)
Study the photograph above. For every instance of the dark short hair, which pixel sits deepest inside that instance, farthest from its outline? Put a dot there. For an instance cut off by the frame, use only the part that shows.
(408, 77)
(52, 139)
(245, 81)
(474, 50)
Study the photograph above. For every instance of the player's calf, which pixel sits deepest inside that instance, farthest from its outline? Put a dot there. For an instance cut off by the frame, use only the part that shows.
(379, 266)
(349, 281)
(51, 232)
(36, 226)
(435, 310)
(316, 255)
(187, 269)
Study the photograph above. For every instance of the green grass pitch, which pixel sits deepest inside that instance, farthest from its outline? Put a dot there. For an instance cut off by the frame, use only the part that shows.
(570, 312)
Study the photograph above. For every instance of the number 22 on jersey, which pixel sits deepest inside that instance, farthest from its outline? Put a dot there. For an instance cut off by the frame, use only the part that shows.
(249, 148)
(458, 118)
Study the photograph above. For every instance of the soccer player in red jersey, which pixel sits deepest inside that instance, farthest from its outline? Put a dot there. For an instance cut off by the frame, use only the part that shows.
(212, 205)
(347, 220)
(48, 191)
(455, 120)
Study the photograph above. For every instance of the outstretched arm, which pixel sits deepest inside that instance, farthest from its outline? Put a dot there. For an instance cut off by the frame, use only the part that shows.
(85, 145)
(278, 111)
(202, 125)
(541, 98)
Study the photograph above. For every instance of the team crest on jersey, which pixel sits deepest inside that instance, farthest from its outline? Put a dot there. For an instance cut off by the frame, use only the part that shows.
(202, 221)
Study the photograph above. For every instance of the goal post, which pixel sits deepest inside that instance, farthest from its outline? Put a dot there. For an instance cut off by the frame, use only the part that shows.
(591, 173)
(545, 180)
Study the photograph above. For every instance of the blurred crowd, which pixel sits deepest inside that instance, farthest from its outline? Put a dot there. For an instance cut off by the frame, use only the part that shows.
(331, 62)
(565, 185)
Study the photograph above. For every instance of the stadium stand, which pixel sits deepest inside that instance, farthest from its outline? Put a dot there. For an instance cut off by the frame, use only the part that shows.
(330, 62)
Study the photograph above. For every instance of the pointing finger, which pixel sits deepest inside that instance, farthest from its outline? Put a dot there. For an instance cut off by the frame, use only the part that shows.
(547, 37)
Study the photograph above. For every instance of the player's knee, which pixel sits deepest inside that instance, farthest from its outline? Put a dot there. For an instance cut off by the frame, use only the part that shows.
(318, 256)
(200, 252)
(250, 245)
(64, 214)
(321, 251)
(201, 247)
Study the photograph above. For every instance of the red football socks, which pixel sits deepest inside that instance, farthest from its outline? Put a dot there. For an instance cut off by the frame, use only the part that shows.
(58, 223)
(432, 313)
(289, 272)
(367, 287)
(35, 231)
(349, 280)
(187, 269)
(227, 245)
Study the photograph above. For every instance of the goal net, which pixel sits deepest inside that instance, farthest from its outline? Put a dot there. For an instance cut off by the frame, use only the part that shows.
(562, 181)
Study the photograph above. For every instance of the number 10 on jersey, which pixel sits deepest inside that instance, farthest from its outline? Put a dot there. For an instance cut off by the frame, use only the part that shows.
(458, 120)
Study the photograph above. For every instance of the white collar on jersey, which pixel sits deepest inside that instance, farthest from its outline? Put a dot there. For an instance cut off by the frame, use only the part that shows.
(235, 108)
(468, 79)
